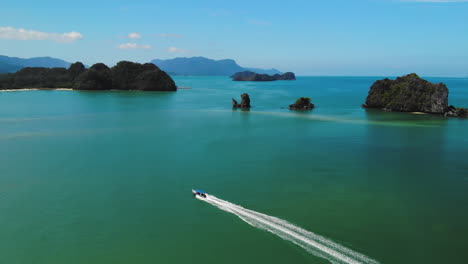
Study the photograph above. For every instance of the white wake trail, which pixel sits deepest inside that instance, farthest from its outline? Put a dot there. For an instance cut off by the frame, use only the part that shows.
(313, 243)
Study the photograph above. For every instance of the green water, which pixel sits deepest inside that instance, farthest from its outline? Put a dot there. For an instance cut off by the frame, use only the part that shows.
(105, 177)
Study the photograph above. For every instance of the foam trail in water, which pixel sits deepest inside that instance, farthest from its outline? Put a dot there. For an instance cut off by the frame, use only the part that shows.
(315, 244)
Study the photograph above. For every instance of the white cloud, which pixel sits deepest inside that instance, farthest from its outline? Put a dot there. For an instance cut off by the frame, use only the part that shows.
(134, 35)
(24, 34)
(176, 50)
(131, 46)
(169, 35)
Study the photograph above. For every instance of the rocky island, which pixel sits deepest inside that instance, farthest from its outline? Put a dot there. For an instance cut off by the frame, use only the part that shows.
(303, 103)
(255, 77)
(245, 103)
(123, 76)
(410, 93)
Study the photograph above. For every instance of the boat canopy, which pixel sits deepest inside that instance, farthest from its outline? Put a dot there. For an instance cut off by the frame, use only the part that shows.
(200, 191)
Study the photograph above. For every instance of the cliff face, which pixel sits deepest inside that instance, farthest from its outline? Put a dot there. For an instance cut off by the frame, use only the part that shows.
(124, 76)
(255, 77)
(409, 93)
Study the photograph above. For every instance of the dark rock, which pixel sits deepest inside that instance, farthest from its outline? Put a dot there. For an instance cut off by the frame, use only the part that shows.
(451, 108)
(98, 77)
(409, 93)
(245, 103)
(456, 112)
(288, 76)
(255, 77)
(252, 76)
(6, 81)
(145, 77)
(35, 77)
(462, 112)
(76, 69)
(303, 103)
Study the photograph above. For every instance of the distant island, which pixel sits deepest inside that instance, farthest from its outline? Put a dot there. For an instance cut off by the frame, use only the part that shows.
(195, 66)
(200, 66)
(411, 93)
(256, 77)
(124, 76)
(14, 64)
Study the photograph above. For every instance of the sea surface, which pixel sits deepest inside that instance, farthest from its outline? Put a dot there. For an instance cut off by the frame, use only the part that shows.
(106, 177)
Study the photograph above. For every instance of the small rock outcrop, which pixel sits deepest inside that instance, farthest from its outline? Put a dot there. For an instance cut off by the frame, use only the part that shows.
(303, 103)
(409, 93)
(124, 76)
(453, 111)
(245, 102)
(255, 77)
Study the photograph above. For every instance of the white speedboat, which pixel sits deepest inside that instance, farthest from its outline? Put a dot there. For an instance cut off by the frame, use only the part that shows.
(199, 193)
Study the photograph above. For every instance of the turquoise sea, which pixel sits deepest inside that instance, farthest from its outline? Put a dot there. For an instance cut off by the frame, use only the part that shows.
(106, 177)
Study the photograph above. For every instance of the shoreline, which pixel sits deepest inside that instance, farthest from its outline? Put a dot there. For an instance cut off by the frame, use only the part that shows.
(37, 89)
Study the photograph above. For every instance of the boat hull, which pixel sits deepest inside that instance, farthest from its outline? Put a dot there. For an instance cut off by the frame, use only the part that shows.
(199, 193)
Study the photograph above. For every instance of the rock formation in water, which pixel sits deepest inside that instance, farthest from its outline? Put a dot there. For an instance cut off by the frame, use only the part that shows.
(409, 93)
(124, 76)
(255, 77)
(303, 103)
(245, 103)
(453, 111)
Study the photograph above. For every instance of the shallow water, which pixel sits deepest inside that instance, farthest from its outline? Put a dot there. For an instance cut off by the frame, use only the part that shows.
(105, 177)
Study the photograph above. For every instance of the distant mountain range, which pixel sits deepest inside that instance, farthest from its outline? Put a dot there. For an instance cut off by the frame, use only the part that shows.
(195, 66)
(200, 66)
(13, 64)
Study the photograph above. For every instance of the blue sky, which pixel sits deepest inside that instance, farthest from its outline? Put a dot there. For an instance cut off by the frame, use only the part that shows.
(329, 37)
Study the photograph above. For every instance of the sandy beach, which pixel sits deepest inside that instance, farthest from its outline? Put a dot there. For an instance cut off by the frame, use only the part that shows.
(37, 89)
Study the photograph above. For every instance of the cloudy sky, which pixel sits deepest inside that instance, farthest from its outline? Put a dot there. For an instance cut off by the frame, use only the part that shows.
(309, 37)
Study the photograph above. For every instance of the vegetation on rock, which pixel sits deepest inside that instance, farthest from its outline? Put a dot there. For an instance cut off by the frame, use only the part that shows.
(124, 76)
(303, 103)
(409, 93)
